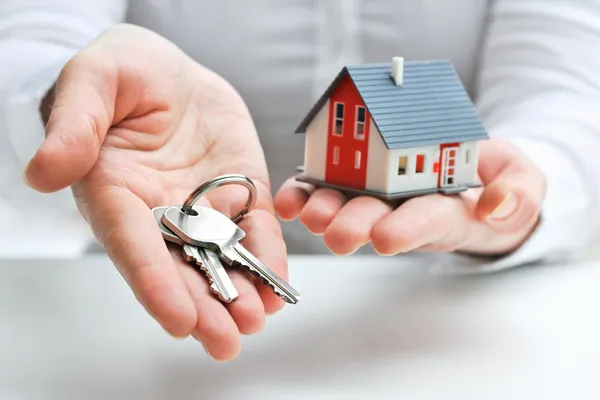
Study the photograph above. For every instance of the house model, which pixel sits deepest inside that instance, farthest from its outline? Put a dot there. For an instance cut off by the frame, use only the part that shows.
(393, 130)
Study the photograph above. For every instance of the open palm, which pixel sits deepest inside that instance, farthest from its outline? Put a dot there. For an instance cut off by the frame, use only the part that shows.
(134, 123)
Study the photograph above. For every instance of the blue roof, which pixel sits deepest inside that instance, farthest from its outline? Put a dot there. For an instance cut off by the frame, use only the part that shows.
(430, 107)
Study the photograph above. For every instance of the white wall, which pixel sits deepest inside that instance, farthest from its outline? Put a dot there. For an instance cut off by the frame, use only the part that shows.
(412, 180)
(383, 166)
(467, 173)
(315, 153)
(377, 161)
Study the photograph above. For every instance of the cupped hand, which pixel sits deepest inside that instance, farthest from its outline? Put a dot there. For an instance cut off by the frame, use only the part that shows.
(493, 220)
(134, 123)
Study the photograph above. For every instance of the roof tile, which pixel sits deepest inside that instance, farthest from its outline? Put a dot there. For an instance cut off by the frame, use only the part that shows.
(431, 107)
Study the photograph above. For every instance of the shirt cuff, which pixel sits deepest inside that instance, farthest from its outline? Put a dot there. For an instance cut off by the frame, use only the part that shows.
(561, 231)
(22, 86)
(23, 90)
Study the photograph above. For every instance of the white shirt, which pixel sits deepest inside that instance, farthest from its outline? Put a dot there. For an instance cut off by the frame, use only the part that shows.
(532, 66)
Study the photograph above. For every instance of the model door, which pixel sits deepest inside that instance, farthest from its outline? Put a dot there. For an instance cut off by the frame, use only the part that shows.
(448, 169)
(347, 139)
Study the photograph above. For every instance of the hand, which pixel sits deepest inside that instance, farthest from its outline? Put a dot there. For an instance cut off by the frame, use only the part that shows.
(134, 123)
(494, 220)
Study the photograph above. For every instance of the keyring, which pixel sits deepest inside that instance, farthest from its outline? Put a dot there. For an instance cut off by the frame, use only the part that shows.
(215, 183)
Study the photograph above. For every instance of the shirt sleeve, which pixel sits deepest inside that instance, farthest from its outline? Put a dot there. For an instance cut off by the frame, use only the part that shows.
(539, 86)
(37, 38)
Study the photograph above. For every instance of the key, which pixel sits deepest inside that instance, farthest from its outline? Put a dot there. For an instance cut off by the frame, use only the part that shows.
(205, 259)
(167, 234)
(212, 230)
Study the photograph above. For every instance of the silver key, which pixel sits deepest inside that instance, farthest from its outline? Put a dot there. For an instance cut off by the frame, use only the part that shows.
(212, 230)
(207, 260)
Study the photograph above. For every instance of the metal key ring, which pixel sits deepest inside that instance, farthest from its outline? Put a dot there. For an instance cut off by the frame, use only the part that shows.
(223, 180)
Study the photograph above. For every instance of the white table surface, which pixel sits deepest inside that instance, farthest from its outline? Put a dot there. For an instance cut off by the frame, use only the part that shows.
(73, 330)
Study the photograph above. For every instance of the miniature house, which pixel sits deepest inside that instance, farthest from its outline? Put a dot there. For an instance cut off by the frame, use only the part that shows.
(393, 130)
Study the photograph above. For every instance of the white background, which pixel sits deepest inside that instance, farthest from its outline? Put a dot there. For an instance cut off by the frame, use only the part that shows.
(364, 328)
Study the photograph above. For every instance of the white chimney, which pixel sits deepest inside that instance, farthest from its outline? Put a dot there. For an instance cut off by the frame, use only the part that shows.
(398, 70)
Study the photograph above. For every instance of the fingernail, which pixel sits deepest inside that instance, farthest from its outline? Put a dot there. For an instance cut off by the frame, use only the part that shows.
(25, 173)
(315, 233)
(211, 357)
(205, 349)
(352, 251)
(380, 253)
(506, 208)
(287, 219)
(174, 336)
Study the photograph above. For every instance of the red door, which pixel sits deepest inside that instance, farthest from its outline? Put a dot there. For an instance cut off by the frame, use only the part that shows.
(447, 164)
(348, 138)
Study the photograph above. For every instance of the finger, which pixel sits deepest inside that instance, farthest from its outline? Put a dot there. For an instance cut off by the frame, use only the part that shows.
(321, 208)
(264, 239)
(215, 327)
(494, 155)
(291, 198)
(80, 117)
(351, 227)
(470, 235)
(514, 190)
(126, 227)
(247, 311)
(421, 221)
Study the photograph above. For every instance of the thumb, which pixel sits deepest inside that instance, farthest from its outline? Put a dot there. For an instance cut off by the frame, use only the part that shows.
(80, 116)
(514, 190)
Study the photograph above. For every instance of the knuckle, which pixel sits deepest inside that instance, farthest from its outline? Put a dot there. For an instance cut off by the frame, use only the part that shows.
(81, 137)
(215, 332)
(95, 60)
(253, 318)
(179, 325)
(251, 310)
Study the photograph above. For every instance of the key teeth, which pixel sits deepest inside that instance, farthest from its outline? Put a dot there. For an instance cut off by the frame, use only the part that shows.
(265, 281)
(211, 281)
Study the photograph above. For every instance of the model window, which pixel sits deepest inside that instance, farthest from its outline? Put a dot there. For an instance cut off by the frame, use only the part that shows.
(467, 157)
(357, 160)
(402, 161)
(420, 163)
(361, 117)
(338, 127)
(336, 155)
